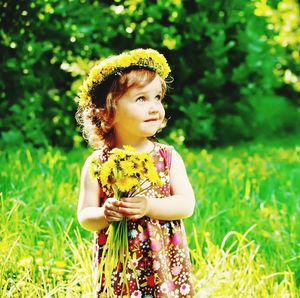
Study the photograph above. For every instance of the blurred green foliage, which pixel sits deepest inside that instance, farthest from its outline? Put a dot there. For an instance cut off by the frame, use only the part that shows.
(234, 75)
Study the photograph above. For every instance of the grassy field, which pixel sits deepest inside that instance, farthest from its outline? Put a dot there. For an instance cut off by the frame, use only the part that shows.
(243, 237)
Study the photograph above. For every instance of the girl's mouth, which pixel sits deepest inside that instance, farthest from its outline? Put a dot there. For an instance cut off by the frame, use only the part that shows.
(151, 120)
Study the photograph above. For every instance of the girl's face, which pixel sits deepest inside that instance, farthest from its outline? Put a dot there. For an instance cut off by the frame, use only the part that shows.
(139, 112)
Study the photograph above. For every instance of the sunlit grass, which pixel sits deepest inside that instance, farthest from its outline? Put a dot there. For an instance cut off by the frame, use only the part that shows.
(250, 185)
(238, 271)
(251, 190)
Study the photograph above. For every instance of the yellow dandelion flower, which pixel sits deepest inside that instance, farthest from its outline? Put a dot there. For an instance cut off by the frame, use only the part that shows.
(106, 171)
(39, 261)
(95, 74)
(139, 170)
(149, 165)
(147, 58)
(117, 153)
(125, 184)
(126, 167)
(130, 149)
(137, 163)
(125, 170)
(145, 157)
(153, 177)
(125, 61)
(60, 264)
(57, 271)
(40, 243)
(123, 174)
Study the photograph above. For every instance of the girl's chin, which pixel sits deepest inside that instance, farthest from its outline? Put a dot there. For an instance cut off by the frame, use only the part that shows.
(153, 127)
(151, 132)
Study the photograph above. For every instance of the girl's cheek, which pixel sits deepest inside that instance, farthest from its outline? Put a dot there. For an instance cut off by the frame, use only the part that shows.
(163, 111)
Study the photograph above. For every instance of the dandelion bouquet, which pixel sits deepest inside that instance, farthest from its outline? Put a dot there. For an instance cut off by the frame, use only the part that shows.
(126, 173)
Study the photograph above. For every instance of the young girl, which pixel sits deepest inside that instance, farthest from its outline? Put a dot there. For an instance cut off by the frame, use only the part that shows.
(120, 103)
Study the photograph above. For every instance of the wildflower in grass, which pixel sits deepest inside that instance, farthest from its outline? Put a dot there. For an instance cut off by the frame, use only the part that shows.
(57, 272)
(25, 262)
(40, 243)
(60, 264)
(39, 261)
(124, 174)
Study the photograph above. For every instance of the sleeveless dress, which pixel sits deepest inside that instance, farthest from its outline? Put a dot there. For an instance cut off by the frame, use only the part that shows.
(158, 248)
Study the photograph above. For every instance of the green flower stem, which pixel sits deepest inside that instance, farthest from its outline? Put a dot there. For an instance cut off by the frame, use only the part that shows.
(115, 254)
(140, 192)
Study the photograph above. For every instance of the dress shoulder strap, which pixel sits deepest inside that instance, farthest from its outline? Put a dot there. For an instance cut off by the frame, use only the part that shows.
(165, 152)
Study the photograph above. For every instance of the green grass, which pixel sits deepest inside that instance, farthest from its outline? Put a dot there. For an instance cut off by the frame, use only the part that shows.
(243, 236)
(252, 184)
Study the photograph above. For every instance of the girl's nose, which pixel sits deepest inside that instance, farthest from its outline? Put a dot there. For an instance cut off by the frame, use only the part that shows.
(153, 107)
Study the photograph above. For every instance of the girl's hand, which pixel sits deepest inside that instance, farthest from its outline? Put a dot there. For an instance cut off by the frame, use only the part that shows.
(112, 210)
(134, 207)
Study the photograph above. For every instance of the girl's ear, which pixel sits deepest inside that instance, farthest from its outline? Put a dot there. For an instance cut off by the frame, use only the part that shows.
(103, 116)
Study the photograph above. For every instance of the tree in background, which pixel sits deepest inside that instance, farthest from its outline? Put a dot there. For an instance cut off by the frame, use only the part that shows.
(234, 75)
(284, 20)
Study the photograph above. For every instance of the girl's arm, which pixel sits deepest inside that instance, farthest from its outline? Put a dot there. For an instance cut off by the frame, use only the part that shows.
(179, 205)
(182, 202)
(90, 216)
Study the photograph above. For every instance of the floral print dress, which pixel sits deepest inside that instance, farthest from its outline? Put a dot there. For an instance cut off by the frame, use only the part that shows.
(158, 248)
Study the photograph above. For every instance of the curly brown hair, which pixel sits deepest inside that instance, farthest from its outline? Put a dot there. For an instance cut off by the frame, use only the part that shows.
(96, 119)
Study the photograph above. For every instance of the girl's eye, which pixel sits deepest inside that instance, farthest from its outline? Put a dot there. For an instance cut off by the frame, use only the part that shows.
(158, 97)
(141, 99)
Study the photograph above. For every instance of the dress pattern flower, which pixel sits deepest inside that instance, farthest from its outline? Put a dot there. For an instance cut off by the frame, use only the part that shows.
(158, 248)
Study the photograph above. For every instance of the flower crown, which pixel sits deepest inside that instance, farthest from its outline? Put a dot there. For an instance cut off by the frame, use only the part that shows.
(145, 58)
